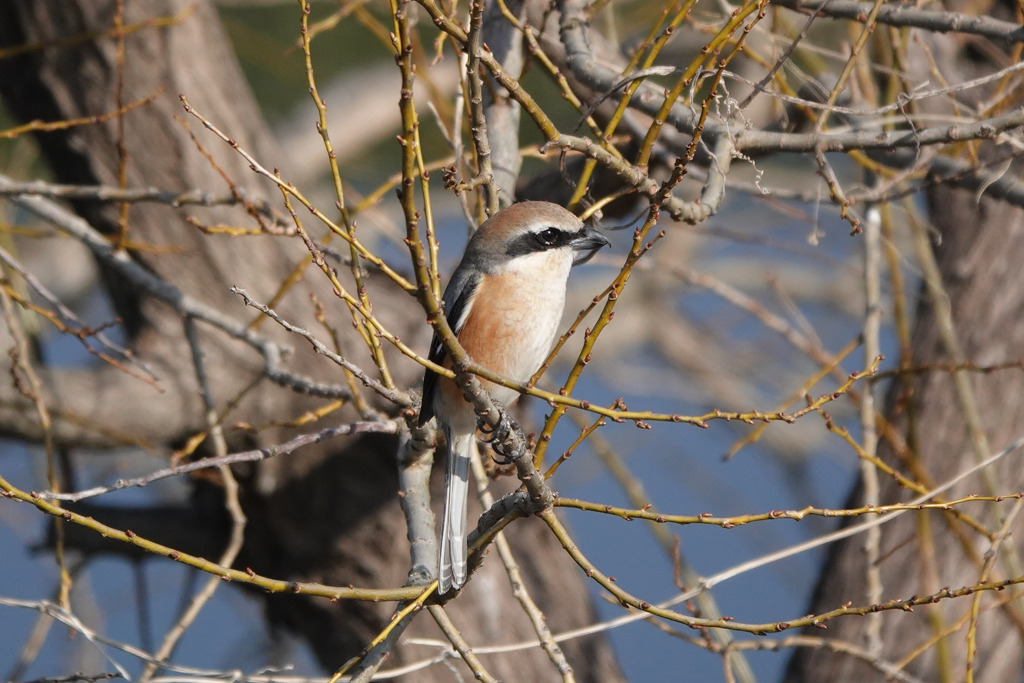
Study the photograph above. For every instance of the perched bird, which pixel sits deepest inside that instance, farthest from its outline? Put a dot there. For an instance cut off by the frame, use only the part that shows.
(504, 303)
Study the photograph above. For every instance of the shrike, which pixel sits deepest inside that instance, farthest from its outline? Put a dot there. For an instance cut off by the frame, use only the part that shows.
(504, 303)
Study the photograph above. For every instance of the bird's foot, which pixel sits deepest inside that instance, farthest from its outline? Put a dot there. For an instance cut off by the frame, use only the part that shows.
(507, 449)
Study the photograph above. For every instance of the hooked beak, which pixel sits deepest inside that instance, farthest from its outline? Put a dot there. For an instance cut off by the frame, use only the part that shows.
(585, 244)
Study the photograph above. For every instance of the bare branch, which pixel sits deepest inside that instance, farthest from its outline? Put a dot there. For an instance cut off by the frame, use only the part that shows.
(898, 15)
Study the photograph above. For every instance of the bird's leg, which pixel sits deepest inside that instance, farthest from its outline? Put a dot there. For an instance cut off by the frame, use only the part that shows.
(506, 437)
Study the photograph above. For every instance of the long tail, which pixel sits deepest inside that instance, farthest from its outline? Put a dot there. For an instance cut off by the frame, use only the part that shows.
(452, 563)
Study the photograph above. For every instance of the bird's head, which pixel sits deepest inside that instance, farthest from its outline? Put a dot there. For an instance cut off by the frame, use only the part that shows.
(526, 229)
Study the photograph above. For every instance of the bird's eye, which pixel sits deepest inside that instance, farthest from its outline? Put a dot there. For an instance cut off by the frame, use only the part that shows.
(548, 236)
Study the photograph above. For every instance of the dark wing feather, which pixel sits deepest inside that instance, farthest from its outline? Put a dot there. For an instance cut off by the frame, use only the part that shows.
(458, 297)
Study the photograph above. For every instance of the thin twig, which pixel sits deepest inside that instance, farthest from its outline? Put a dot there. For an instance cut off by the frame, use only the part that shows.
(869, 434)
(255, 455)
(231, 503)
(515, 577)
(460, 644)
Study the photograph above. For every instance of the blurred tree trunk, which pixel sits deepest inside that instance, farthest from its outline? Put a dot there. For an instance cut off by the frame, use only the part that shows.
(981, 249)
(327, 513)
(978, 247)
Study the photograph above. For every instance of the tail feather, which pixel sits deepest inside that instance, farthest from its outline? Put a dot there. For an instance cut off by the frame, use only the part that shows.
(452, 564)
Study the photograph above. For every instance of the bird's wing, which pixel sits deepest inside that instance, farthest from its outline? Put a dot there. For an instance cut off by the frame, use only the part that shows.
(458, 299)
